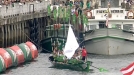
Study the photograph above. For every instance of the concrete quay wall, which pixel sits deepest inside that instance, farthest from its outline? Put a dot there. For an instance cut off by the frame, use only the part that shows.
(23, 22)
(30, 10)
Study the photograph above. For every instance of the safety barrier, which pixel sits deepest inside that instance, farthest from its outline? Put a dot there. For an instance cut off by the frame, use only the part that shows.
(17, 54)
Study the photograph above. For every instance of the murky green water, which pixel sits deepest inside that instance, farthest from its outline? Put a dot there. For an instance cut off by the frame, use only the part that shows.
(42, 66)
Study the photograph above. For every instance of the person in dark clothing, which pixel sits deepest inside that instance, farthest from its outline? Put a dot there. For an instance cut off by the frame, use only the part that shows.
(77, 4)
(56, 2)
(96, 5)
(123, 4)
(79, 11)
(51, 58)
(71, 2)
(67, 3)
(63, 3)
(81, 3)
(127, 6)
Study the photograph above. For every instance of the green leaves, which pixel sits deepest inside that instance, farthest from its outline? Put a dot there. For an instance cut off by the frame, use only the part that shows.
(67, 16)
(103, 70)
(88, 5)
(63, 11)
(81, 4)
(59, 11)
(74, 18)
(100, 69)
(113, 26)
(70, 4)
(49, 10)
(85, 19)
(55, 13)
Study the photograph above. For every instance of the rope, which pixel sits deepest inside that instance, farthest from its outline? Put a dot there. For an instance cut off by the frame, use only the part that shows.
(34, 42)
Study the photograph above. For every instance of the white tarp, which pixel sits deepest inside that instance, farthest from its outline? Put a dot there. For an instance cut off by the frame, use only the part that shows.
(71, 44)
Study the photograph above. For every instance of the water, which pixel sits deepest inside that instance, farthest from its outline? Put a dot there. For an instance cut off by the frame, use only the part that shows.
(41, 66)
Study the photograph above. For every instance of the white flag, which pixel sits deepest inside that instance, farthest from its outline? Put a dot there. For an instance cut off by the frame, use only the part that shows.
(71, 44)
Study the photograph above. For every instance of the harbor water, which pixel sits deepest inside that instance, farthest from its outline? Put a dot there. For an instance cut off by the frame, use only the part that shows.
(42, 66)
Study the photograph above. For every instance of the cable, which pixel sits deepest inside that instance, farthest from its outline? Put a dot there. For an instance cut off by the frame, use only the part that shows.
(35, 43)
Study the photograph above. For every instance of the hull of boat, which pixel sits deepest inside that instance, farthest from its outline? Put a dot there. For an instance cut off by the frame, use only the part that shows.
(47, 43)
(78, 67)
(109, 42)
(66, 66)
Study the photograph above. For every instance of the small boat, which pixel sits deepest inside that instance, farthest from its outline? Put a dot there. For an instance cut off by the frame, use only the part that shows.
(66, 60)
(76, 65)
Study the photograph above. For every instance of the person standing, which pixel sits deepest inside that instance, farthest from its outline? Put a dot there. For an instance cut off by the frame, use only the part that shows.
(77, 3)
(96, 5)
(80, 11)
(81, 3)
(67, 3)
(56, 2)
(127, 6)
(123, 4)
(76, 12)
(84, 54)
(88, 4)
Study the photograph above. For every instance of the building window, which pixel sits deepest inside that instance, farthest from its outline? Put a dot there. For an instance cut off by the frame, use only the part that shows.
(60, 32)
(117, 26)
(121, 11)
(87, 28)
(128, 27)
(92, 27)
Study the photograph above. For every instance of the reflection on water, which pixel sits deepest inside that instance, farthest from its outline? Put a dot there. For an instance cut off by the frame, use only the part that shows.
(26, 64)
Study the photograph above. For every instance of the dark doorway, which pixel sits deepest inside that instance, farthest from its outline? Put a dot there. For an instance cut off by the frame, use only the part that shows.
(102, 24)
(31, 8)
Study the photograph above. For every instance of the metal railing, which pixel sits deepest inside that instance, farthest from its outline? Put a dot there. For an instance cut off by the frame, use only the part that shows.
(22, 8)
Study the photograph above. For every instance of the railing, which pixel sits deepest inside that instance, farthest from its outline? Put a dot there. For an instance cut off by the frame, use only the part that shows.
(60, 32)
(16, 9)
(124, 27)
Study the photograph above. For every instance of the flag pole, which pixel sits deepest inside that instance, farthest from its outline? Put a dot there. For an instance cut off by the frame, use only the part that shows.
(63, 18)
(63, 25)
(69, 15)
(57, 19)
(107, 18)
(107, 21)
